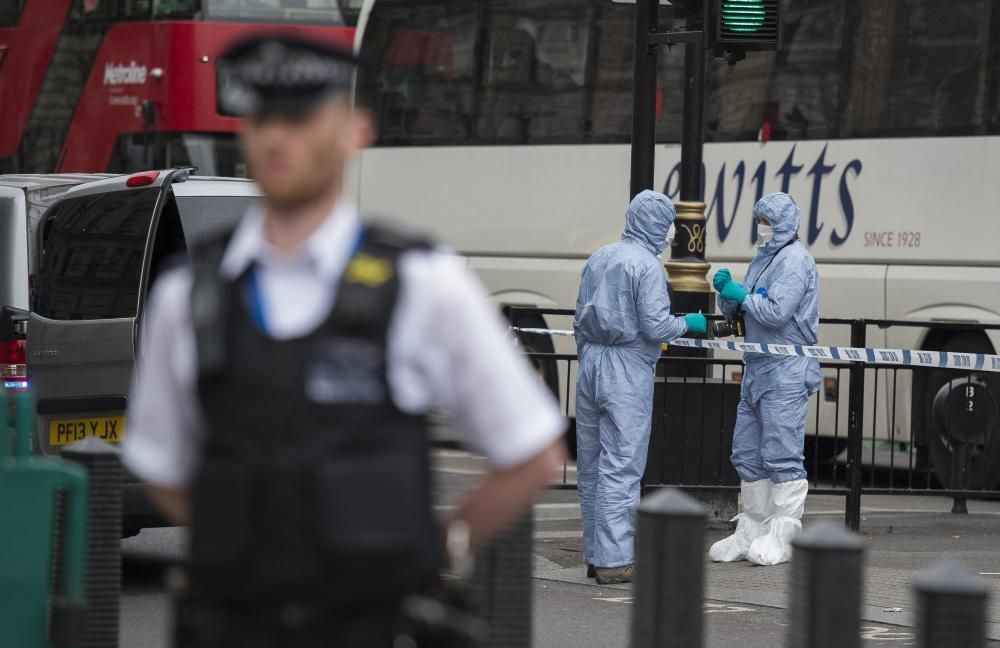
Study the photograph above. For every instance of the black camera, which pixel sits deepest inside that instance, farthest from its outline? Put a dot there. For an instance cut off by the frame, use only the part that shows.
(729, 328)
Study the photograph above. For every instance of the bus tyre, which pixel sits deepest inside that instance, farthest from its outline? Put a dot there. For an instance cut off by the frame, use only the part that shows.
(548, 370)
(984, 450)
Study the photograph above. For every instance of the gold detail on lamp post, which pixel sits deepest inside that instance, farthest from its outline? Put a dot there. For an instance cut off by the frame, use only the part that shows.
(687, 269)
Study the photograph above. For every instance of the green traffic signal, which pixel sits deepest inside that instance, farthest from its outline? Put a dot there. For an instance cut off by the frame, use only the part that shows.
(743, 16)
(735, 27)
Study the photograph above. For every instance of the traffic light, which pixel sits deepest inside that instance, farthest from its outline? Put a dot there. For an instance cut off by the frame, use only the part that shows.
(734, 27)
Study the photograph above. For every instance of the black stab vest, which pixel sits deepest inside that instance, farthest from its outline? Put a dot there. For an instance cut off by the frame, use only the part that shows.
(313, 487)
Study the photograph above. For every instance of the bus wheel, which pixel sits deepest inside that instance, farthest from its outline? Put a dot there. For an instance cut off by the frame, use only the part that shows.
(548, 370)
(984, 453)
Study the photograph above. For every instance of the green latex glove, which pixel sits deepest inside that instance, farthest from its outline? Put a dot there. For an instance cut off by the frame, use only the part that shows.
(721, 278)
(734, 292)
(696, 323)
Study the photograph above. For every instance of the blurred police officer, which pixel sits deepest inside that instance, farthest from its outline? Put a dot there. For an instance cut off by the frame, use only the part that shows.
(280, 401)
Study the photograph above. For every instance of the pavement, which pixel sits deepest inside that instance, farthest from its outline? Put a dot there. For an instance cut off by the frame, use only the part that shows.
(903, 535)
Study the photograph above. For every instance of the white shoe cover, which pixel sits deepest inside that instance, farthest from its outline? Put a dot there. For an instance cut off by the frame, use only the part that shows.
(756, 503)
(789, 500)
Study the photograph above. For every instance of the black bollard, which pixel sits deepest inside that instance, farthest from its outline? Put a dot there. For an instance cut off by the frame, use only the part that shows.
(104, 534)
(503, 585)
(951, 607)
(670, 572)
(826, 588)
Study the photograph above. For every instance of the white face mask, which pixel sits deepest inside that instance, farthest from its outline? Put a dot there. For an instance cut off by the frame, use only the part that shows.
(671, 233)
(765, 234)
(668, 242)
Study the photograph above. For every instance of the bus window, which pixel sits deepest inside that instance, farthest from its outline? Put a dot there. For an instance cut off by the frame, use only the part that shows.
(420, 84)
(611, 112)
(919, 67)
(177, 9)
(328, 12)
(796, 92)
(212, 154)
(534, 71)
(10, 12)
(613, 69)
(992, 90)
(531, 82)
(879, 68)
(515, 72)
(507, 72)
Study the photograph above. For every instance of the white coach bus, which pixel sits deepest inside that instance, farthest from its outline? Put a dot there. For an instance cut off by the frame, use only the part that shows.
(504, 128)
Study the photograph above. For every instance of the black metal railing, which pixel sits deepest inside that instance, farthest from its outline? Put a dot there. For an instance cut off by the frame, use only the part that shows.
(872, 429)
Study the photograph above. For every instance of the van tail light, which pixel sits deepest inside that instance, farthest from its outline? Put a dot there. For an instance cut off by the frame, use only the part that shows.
(13, 364)
(142, 179)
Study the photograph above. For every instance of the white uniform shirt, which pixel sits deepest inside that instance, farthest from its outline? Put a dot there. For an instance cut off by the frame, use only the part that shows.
(446, 350)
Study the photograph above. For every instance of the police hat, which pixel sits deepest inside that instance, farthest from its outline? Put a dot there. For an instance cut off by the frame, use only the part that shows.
(276, 73)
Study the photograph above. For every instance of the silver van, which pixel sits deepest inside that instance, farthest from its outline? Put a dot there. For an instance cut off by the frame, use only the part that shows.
(100, 248)
(23, 201)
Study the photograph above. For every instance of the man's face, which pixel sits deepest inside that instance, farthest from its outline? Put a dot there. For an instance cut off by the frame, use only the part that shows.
(299, 159)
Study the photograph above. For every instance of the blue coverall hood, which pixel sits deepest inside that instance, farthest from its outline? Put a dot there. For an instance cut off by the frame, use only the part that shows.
(648, 219)
(781, 211)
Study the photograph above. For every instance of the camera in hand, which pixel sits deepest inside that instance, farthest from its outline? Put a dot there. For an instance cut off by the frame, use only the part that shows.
(729, 328)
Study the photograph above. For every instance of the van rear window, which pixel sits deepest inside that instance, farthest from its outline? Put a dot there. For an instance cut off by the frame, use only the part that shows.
(91, 256)
(206, 216)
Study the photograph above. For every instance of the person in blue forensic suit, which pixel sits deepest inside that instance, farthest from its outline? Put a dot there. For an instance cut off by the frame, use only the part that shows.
(622, 319)
(779, 303)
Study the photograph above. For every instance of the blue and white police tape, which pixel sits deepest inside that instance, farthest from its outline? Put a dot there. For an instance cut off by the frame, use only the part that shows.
(899, 357)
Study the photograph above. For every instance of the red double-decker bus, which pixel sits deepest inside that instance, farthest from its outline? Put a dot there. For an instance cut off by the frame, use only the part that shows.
(121, 85)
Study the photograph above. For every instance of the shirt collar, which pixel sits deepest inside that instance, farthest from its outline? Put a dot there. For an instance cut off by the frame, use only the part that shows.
(327, 249)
